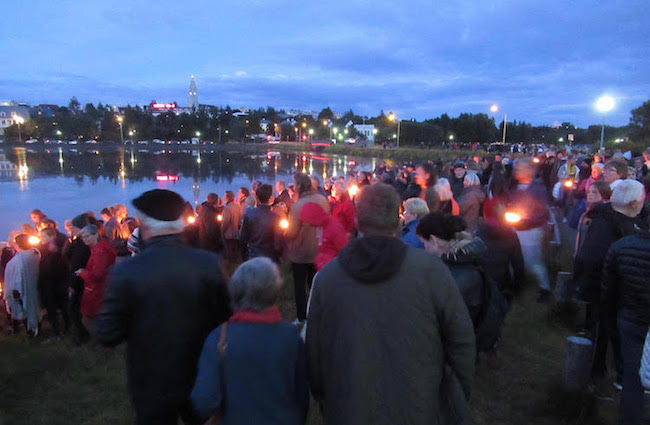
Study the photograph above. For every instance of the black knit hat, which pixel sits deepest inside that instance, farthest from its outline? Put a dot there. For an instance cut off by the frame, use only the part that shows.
(160, 204)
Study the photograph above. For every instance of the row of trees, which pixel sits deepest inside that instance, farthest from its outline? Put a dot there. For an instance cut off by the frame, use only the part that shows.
(221, 124)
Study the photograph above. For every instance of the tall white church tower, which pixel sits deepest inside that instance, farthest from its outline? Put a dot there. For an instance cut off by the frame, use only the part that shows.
(192, 98)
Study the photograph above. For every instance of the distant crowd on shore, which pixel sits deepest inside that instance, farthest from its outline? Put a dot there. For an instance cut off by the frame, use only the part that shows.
(402, 277)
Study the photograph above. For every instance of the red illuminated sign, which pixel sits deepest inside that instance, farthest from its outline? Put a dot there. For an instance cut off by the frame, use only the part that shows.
(166, 178)
(156, 105)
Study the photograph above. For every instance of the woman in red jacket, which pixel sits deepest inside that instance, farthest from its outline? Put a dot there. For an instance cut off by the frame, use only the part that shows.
(95, 274)
(332, 237)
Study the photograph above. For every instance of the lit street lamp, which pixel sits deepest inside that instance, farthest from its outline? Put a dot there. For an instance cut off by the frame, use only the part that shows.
(393, 117)
(494, 109)
(120, 120)
(604, 104)
(20, 121)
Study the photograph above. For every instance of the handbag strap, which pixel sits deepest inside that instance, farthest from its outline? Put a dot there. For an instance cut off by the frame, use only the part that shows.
(222, 342)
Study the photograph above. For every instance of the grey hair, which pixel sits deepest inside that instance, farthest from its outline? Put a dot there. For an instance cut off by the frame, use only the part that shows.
(160, 227)
(443, 189)
(90, 229)
(625, 192)
(254, 285)
(416, 206)
(471, 179)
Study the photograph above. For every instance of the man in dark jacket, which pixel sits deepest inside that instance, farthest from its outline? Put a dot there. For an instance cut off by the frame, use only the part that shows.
(52, 281)
(260, 230)
(209, 226)
(77, 254)
(388, 334)
(626, 299)
(283, 195)
(163, 302)
(529, 201)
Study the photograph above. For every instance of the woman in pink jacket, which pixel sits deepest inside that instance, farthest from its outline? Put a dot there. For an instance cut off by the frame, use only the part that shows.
(332, 237)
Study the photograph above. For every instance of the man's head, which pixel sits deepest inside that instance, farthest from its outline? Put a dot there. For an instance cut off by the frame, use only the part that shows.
(264, 194)
(243, 193)
(571, 159)
(160, 213)
(302, 183)
(48, 235)
(616, 169)
(315, 182)
(426, 175)
(460, 169)
(597, 171)
(212, 198)
(377, 210)
(627, 197)
(229, 196)
(22, 242)
(280, 186)
(524, 170)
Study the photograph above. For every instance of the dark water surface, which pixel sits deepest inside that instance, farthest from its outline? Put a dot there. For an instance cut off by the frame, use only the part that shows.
(64, 182)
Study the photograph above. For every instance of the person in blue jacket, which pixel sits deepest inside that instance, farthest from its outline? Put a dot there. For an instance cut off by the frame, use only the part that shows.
(414, 209)
(253, 369)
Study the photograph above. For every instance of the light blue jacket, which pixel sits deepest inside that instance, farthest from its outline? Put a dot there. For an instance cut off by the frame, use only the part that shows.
(645, 363)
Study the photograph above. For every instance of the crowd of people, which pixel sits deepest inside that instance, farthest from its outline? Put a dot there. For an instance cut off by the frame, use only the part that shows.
(402, 276)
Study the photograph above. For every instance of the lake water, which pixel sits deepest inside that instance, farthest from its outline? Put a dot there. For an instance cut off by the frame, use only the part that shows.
(64, 182)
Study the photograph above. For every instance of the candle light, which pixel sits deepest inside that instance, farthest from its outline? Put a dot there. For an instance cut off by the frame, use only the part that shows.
(512, 217)
(191, 219)
(353, 190)
(219, 218)
(568, 184)
(284, 224)
(34, 240)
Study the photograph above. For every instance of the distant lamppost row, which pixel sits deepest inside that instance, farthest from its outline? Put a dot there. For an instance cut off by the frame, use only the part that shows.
(604, 104)
(393, 117)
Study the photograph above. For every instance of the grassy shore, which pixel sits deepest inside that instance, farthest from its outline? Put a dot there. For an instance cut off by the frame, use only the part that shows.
(48, 382)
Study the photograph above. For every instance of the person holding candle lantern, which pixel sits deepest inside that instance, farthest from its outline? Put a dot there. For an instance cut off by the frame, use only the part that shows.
(21, 286)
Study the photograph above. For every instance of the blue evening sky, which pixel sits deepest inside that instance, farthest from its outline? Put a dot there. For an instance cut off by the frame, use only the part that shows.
(540, 60)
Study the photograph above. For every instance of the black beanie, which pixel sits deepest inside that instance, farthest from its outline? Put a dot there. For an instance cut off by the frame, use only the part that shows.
(80, 221)
(160, 204)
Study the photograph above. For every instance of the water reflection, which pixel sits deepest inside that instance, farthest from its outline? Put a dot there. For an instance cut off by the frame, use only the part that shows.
(66, 181)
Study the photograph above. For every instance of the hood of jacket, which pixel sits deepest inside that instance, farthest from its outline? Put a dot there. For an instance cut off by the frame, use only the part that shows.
(314, 214)
(373, 259)
(465, 250)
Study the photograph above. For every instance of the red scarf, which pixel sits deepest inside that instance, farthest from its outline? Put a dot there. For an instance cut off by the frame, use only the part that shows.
(270, 316)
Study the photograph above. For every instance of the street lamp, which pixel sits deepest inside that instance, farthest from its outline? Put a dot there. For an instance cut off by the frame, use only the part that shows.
(20, 121)
(120, 120)
(604, 104)
(393, 117)
(198, 134)
(451, 137)
(494, 109)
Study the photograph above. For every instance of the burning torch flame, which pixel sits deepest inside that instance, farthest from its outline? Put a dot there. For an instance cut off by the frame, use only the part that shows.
(284, 224)
(191, 219)
(568, 184)
(353, 190)
(34, 240)
(219, 218)
(512, 217)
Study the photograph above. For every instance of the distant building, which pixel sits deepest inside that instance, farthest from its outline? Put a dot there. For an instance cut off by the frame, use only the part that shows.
(368, 130)
(9, 111)
(44, 110)
(192, 97)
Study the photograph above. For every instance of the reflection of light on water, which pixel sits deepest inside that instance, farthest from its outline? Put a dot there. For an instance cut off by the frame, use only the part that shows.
(311, 166)
(345, 165)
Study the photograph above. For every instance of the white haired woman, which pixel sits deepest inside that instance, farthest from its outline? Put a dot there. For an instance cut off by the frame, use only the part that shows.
(414, 209)
(608, 223)
(471, 200)
(252, 369)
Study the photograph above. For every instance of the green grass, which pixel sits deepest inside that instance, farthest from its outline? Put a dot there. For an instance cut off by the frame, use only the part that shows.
(58, 383)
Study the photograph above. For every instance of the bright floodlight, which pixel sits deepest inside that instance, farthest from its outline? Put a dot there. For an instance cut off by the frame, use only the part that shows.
(605, 103)
(494, 108)
(391, 117)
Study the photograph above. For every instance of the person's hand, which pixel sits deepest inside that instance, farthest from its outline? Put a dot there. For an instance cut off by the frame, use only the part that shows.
(16, 294)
